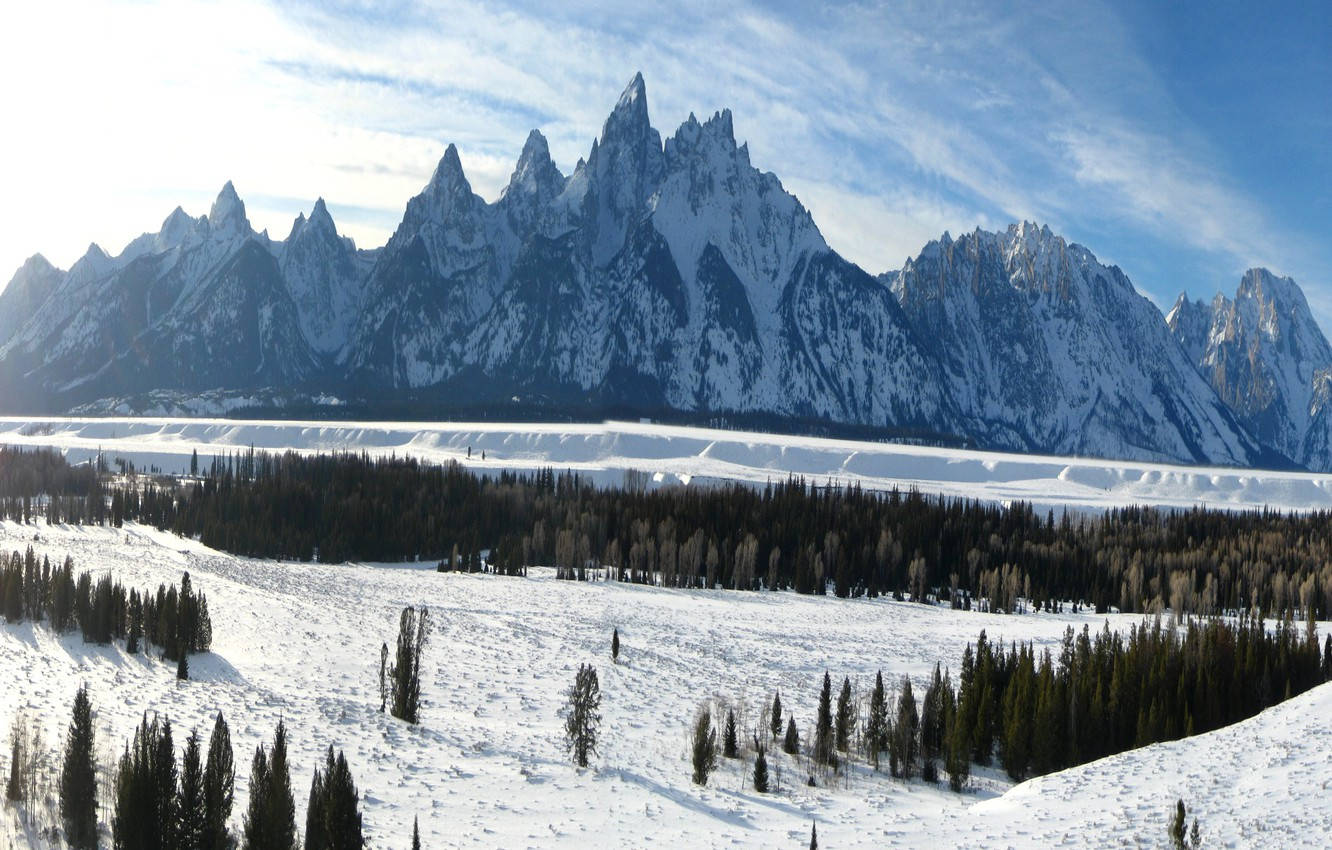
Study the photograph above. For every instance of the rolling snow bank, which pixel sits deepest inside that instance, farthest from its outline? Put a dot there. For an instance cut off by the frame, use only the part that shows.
(487, 766)
(674, 454)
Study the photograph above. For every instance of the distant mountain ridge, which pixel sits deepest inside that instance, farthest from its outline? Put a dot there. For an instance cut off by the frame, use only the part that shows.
(656, 276)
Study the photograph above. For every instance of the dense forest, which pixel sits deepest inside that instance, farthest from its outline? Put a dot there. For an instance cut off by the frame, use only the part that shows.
(789, 534)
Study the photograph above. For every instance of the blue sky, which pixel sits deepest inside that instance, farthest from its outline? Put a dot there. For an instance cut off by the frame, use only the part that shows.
(1185, 142)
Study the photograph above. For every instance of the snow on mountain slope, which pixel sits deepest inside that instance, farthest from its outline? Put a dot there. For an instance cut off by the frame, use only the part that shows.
(209, 309)
(656, 276)
(487, 767)
(323, 274)
(698, 456)
(1045, 349)
(1264, 355)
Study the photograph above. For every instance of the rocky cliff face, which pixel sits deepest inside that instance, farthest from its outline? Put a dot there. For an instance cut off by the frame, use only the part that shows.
(1264, 355)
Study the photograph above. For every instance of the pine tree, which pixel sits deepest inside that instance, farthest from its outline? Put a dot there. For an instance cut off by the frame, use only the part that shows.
(183, 666)
(413, 627)
(255, 823)
(931, 729)
(791, 743)
(730, 747)
(775, 721)
(164, 786)
(814, 837)
(78, 778)
(270, 822)
(845, 721)
(190, 808)
(583, 715)
(761, 772)
(823, 728)
(219, 784)
(135, 623)
(315, 834)
(615, 646)
(1177, 827)
(333, 818)
(958, 759)
(416, 834)
(704, 747)
(905, 732)
(876, 726)
(15, 787)
(383, 677)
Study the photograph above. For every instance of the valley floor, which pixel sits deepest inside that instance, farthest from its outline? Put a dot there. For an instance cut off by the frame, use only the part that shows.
(487, 766)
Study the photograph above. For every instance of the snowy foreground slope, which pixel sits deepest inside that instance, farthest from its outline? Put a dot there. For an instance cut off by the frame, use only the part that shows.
(676, 454)
(487, 769)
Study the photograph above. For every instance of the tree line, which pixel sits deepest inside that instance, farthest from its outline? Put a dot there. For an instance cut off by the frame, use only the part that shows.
(174, 619)
(790, 534)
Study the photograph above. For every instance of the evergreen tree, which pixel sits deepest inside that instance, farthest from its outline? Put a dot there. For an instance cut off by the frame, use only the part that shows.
(931, 728)
(775, 720)
(413, 627)
(704, 747)
(730, 747)
(164, 786)
(270, 823)
(315, 834)
(791, 743)
(823, 727)
(135, 623)
(15, 787)
(905, 732)
(814, 837)
(416, 834)
(333, 818)
(383, 677)
(583, 715)
(219, 784)
(761, 771)
(876, 725)
(957, 761)
(845, 721)
(615, 646)
(78, 778)
(255, 823)
(1177, 827)
(190, 808)
(183, 666)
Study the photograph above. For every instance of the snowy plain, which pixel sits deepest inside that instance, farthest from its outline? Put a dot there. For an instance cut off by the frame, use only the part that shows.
(487, 767)
(678, 454)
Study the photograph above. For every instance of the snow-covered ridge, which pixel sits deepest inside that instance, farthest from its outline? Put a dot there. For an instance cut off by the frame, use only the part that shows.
(681, 455)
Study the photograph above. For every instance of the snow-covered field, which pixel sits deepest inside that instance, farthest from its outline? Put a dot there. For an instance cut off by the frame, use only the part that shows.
(674, 454)
(487, 768)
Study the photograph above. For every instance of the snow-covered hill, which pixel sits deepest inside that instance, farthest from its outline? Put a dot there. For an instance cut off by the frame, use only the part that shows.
(486, 767)
(680, 455)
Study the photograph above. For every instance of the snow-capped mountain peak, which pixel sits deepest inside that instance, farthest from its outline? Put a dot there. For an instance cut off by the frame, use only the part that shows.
(656, 276)
(227, 216)
(535, 174)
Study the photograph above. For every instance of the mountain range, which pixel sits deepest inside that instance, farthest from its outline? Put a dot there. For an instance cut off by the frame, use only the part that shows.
(667, 277)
